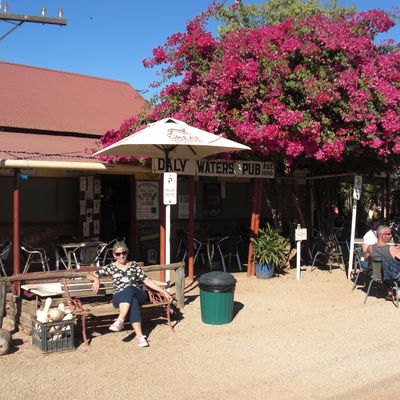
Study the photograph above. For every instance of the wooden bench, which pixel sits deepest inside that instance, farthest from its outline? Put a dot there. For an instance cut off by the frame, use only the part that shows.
(76, 291)
(85, 304)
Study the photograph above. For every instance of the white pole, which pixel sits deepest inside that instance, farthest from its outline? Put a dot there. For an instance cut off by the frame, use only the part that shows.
(167, 242)
(352, 234)
(298, 257)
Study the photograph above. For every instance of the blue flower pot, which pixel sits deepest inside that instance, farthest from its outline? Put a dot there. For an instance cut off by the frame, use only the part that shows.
(264, 271)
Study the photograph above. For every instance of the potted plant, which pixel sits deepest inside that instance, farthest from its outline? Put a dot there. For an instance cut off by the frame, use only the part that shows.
(270, 251)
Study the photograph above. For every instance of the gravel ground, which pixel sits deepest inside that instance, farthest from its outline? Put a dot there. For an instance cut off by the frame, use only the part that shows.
(307, 339)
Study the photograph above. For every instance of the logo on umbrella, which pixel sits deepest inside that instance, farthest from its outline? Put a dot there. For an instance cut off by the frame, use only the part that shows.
(180, 136)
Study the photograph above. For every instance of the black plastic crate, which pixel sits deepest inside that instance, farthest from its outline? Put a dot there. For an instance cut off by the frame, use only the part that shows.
(53, 336)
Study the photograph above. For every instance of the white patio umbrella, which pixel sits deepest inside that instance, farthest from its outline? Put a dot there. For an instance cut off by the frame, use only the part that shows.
(171, 138)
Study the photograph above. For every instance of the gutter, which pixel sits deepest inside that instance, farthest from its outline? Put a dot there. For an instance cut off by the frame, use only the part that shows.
(68, 165)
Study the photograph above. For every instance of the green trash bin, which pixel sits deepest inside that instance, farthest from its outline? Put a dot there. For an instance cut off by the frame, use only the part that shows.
(216, 297)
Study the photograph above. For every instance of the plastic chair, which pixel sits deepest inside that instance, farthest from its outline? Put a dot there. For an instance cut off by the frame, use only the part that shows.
(4, 252)
(378, 277)
(34, 255)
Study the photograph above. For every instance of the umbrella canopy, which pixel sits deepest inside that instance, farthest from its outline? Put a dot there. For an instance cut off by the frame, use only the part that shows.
(171, 138)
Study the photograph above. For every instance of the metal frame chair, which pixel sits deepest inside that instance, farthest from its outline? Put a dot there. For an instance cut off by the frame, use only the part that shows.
(332, 250)
(87, 253)
(378, 277)
(4, 252)
(360, 266)
(35, 255)
(228, 247)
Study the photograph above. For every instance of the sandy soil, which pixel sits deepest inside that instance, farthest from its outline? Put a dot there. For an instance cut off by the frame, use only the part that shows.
(289, 339)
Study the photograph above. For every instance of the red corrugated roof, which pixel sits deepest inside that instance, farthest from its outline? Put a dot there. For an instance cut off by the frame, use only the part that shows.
(48, 100)
(20, 146)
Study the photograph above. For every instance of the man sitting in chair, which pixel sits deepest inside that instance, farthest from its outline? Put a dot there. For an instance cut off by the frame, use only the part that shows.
(390, 254)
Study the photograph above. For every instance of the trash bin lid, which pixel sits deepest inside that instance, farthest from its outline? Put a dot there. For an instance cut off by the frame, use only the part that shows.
(217, 278)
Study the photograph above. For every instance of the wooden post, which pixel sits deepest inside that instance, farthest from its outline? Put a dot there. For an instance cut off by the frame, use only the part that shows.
(3, 287)
(180, 286)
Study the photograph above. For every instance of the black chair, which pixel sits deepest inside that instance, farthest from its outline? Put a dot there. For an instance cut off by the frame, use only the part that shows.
(331, 250)
(377, 276)
(34, 255)
(182, 249)
(4, 252)
(228, 248)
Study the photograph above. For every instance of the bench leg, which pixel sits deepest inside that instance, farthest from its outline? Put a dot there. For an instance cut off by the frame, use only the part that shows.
(83, 321)
(168, 310)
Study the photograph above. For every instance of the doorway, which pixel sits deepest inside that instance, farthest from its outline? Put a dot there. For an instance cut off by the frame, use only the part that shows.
(115, 208)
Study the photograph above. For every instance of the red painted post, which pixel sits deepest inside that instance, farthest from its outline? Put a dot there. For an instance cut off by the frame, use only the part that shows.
(191, 229)
(257, 217)
(133, 239)
(252, 225)
(16, 231)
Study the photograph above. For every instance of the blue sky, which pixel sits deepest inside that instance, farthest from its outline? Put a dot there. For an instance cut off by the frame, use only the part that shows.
(109, 38)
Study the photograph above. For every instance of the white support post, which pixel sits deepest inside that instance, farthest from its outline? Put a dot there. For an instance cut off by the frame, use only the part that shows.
(167, 243)
(352, 234)
(300, 234)
(298, 258)
(357, 188)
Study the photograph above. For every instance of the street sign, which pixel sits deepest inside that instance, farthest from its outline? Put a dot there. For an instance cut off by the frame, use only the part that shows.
(170, 185)
(357, 187)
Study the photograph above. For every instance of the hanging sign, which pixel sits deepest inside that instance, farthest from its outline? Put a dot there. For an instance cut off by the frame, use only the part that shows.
(244, 169)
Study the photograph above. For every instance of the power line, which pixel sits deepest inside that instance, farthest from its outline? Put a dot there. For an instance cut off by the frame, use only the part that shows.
(18, 19)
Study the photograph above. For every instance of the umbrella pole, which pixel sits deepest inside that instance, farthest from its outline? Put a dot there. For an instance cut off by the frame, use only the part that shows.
(167, 228)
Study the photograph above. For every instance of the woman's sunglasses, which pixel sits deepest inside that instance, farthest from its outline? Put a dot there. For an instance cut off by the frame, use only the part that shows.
(122, 253)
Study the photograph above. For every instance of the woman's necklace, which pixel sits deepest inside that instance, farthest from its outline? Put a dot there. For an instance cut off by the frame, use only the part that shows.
(122, 267)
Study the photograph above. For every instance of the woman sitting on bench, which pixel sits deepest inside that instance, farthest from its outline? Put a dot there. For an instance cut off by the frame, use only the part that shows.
(127, 294)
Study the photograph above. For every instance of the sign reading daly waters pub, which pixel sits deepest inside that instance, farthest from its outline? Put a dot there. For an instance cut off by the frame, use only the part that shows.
(243, 169)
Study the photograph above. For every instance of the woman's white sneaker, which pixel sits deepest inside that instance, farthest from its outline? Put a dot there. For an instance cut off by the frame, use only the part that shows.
(142, 342)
